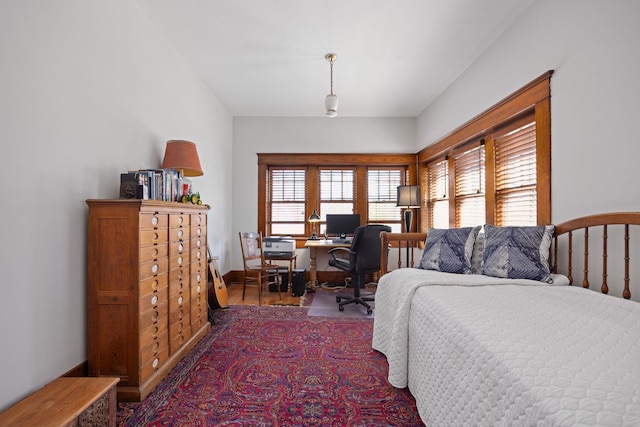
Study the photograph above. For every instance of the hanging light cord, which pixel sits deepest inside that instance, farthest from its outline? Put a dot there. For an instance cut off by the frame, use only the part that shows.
(331, 62)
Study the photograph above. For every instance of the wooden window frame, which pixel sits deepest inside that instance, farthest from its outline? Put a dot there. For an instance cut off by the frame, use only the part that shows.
(533, 99)
(313, 163)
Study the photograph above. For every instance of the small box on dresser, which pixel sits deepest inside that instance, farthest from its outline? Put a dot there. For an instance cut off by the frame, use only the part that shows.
(145, 289)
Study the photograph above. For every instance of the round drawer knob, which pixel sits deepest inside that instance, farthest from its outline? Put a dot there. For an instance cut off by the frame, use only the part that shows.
(155, 220)
(154, 300)
(180, 220)
(180, 233)
(155, 363)
(179, 300)
(155, 268)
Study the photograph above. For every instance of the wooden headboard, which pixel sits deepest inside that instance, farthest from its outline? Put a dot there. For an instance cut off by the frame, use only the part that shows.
(600, 243)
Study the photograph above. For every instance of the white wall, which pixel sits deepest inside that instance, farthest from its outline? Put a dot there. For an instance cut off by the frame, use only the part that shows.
(593, 48)
(252, 135)
(88, 89)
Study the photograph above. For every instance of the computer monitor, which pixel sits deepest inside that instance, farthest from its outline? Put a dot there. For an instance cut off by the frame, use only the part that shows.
(342, 224)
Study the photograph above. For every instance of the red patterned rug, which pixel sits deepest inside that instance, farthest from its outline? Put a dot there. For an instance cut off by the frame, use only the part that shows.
(275, 366)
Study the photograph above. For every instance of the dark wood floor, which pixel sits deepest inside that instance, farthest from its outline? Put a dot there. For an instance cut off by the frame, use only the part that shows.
(234, 296)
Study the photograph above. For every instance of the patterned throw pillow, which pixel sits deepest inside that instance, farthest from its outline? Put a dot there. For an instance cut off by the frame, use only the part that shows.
(449, 250)
(477, 257)
(518, 252)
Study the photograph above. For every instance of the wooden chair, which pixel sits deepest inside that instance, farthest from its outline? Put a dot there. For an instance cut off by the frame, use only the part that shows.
(257, 271)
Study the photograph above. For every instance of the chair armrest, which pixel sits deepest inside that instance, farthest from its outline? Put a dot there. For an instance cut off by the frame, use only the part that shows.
(332, 251)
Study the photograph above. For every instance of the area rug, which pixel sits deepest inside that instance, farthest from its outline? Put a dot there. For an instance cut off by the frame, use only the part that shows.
(276, 366)
(324, 304)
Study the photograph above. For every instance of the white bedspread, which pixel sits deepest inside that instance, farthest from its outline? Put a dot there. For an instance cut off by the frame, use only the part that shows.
(483, 352)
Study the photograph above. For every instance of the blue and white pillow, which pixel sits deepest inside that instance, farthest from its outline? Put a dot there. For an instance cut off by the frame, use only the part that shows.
(477, 256)
(518, 252)
(449, 250)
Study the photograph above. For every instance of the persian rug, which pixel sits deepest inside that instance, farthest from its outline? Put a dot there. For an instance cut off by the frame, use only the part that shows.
(324, 304)
(276, 366)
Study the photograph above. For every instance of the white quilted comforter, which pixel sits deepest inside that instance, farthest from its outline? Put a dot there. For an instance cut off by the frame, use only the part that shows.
(476, 350)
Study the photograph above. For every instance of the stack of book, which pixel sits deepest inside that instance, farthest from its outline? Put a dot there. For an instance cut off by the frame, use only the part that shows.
(152, 184)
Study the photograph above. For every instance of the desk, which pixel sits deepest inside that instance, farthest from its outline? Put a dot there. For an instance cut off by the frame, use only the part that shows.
(292, 263)
(313, 245)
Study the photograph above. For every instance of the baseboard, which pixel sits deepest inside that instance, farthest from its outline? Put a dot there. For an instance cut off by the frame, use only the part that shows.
(81, 370)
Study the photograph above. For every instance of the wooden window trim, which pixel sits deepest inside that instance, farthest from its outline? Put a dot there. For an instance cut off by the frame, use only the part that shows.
(536, 97)
(314, 162)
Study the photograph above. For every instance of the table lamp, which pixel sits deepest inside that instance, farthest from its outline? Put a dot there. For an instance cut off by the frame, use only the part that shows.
(409, 198)
(314, 218)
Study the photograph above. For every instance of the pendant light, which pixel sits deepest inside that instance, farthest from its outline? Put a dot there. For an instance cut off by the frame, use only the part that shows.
(331, 101)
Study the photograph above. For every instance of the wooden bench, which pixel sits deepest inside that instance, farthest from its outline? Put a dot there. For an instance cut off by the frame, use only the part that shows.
(67, 401)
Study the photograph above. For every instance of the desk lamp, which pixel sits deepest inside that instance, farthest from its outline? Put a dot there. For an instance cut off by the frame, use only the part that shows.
(314, 218)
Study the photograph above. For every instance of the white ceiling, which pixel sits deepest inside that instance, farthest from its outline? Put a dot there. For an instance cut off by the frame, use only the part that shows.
(266, 57)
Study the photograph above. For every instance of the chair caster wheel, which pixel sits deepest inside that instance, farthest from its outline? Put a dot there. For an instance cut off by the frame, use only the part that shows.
(369, 311)
(337, 299)
(341, 307)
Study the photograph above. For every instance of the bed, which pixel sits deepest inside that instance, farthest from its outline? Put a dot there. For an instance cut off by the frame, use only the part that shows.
(476, 349)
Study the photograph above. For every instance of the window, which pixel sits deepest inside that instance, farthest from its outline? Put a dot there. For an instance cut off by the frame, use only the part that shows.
(291, 186)
(287, 201)
(382, 191)
(470, 186)
(499, 165)
(516, 176)
(437, 186)
(336, 193)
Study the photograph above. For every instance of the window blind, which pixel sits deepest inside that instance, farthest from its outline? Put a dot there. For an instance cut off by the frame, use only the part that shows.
(382, 185)
(438, 189)
(469, 169)
(336, 193)
(287, 191)
(516, 195)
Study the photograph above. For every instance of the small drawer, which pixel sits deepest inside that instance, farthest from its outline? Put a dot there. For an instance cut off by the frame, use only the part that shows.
(198, 232)
(179, 220)
(156, 315)
(153, 268)
(151, 366)
(198, 254)
(153, 284)
(153, 236)
(153, 299)
(179, 262)
(198, 219)
(199, 243)
(198, 276)
(198, 289)
(178, 286)
(148, 253)
(155, 331)
(179, 233)
(179, 247)
(153, 347)
(179, 308)
(154, 220)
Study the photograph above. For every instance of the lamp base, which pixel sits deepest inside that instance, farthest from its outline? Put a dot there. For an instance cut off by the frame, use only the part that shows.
(314, 236)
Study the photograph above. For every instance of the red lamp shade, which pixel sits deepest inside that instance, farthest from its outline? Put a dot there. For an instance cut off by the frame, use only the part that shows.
(183, 156)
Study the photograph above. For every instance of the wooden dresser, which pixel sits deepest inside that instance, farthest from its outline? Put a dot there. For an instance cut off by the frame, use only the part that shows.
(147, 289)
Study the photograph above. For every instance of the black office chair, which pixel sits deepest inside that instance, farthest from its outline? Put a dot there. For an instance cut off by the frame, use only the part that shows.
(364, 258)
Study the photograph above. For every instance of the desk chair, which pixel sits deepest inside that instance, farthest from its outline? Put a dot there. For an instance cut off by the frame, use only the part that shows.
(256, 268)
(363, 258)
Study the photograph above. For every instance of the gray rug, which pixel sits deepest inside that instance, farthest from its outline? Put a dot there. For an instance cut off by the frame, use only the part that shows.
(324, 304)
